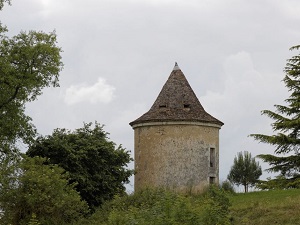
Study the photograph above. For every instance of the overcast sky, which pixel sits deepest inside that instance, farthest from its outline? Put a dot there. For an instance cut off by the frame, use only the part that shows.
(119, 53)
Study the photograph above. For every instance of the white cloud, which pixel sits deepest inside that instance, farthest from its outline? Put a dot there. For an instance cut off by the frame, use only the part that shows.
(100, 92)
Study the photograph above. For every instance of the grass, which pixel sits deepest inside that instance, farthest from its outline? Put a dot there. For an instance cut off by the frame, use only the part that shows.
(163, 207)
(266, 207)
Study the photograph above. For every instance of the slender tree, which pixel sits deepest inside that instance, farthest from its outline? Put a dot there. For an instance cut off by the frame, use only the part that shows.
(245, 170)
(286, 125)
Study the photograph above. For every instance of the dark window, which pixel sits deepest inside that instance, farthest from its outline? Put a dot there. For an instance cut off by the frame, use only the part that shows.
(212, 157)
(163, 106)
(186, 105)
(212, 180)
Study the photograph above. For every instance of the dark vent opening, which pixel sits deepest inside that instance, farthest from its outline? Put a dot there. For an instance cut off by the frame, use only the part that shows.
(163, 106)
(186, 105)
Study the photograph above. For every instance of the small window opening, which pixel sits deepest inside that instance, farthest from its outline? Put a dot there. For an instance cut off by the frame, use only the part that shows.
(163, 106)
(186, 105)
(212, 180)
(212, 157)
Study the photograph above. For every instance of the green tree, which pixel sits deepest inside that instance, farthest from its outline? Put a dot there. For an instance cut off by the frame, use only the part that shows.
(94, 162)
(29, 62)
(245, 170)
(286, 124)
(28, 189)
(2, 3)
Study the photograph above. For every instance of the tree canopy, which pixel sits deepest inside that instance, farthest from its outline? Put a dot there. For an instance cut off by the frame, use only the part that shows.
(245, 170)
(95, 164)
(29, 62)
(286, 125)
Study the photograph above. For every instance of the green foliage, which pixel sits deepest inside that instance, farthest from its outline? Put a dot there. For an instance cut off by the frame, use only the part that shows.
(94, 162)
(32, 192)
(279, 182)
(29, 62)
(2, 3)
(227, 186)
(163, 207)
(33, 220)
(245, 170)
(216, 207)
(287, 125)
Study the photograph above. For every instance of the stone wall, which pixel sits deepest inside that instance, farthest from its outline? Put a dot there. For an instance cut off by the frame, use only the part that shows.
(176, 155)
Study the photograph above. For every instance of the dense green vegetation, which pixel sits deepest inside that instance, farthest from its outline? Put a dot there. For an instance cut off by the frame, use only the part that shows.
(30, 188)
(95, 163)
(163, 207)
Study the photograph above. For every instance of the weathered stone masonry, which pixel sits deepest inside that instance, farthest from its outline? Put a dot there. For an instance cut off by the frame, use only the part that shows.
(176, 141)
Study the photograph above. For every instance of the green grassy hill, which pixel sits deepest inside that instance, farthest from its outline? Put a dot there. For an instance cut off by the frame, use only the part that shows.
(163, 207)
(266, 207)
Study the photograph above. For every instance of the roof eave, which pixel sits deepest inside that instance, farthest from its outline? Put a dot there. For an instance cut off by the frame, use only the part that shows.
(176, 121)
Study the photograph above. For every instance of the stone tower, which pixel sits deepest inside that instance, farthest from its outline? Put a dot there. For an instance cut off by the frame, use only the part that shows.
(176, 143)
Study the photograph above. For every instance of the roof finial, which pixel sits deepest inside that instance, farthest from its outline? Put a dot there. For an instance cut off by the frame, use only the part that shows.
(176, 67)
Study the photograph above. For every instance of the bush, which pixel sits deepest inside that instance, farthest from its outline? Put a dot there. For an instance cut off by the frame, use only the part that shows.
(163, 207)
(34, 193)
(216, 207)
(227, 186)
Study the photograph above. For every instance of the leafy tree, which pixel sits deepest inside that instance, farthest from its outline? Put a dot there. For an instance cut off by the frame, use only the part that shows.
(2, 3)
(245, 170)
(31, 191)
(29, 62)
(286, 123)
(94, 162)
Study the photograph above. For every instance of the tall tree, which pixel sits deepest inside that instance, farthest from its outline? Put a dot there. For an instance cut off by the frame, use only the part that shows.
(245, 170)
(286, 124)
(95, 163)
(29, 62)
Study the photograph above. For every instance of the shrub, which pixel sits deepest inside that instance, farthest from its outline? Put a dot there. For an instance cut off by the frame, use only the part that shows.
(227, 186)
(216, 207)
(163, 207)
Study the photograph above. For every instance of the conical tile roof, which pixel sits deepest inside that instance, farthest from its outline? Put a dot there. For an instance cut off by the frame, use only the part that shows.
(177, 102)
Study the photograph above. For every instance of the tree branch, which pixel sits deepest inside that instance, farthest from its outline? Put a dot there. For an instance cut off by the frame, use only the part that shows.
(11, 98)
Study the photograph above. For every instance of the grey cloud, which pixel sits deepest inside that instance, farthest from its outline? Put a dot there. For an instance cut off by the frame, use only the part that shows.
(232, 52)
